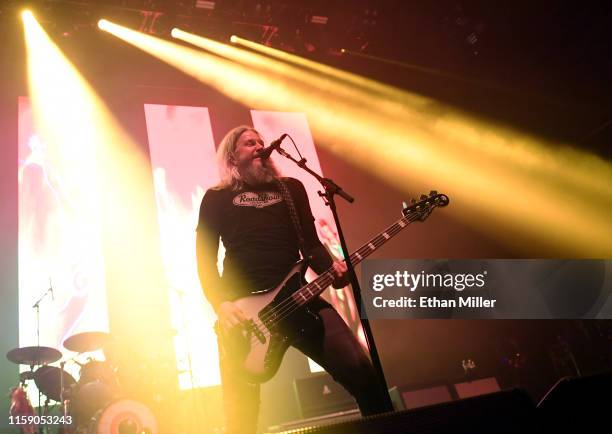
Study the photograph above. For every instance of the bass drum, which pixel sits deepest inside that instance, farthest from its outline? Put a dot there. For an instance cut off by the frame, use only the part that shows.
(124, 416)
(88, 399)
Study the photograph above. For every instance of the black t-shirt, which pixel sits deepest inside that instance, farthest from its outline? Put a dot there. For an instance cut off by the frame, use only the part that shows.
(259, 238)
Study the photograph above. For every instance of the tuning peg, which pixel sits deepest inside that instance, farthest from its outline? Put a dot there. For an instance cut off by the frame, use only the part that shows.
(433, 193)
(404, 205)
(423, 196)
(412, 201)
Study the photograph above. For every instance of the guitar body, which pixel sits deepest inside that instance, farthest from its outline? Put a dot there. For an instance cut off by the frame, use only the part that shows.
(256, 350)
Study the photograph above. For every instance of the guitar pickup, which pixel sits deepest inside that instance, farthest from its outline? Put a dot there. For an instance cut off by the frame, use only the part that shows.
(256, 331)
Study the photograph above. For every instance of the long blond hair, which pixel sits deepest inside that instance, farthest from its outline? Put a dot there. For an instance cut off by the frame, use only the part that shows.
(230, 176)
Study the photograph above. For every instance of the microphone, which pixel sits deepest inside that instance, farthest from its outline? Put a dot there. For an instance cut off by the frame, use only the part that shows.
(265, 153)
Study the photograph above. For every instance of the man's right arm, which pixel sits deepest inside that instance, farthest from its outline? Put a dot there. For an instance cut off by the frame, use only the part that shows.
(207, 249)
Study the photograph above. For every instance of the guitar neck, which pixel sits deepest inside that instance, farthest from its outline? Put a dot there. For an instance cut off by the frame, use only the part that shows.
(321, 283)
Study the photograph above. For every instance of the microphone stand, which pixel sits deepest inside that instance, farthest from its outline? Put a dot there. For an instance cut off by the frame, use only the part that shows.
(331, 189)
(37, 307)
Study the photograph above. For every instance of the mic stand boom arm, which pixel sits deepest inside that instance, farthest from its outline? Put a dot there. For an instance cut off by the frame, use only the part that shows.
(331, 189)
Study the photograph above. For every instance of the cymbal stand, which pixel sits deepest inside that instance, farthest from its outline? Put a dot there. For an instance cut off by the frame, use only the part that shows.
(46, 413)
(36, 306)
(62, 401)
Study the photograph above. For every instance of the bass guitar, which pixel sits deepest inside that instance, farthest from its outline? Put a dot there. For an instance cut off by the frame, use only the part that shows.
(278, 316)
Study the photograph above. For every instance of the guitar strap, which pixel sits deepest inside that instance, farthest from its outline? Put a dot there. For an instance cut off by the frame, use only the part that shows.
(293, 213)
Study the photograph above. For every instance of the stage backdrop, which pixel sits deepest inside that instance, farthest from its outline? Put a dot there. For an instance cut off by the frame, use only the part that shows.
(60, 246)
(184, 166)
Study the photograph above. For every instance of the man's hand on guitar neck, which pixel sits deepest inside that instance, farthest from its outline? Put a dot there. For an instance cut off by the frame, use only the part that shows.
(341, 275)
(230, 315)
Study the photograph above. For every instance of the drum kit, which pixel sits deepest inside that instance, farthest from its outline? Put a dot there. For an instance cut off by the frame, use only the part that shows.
(95, 403)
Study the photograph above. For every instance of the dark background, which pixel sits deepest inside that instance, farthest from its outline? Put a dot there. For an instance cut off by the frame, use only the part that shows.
(542, 67)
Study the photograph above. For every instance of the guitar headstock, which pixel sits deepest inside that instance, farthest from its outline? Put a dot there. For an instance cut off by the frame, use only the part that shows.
(420, 210)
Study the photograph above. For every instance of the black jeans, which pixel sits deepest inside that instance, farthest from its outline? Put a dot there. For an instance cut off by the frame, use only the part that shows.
(335, 348)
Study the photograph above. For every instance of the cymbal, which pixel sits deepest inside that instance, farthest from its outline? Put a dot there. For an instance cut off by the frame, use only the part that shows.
(33, 355)
(87, 341)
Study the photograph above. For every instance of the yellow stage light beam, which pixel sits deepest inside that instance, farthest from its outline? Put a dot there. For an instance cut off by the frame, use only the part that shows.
(105, 176)
(341, 76)
(444, 121)
(518, 151)
(227, 76)
(521, 185)
(227, 51)
(288, 73)
(294, 72)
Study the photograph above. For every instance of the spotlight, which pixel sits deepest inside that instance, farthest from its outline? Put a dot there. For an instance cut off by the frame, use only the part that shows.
(174, 32)
(27, 14)
(233, 39)
(103, 24)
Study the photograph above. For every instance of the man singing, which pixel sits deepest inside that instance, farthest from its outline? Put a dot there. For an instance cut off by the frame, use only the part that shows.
(260, 231)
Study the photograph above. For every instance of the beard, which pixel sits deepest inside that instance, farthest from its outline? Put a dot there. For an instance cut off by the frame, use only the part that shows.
(260, 174)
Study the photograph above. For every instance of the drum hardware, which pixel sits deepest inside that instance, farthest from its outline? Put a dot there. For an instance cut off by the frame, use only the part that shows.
(53, 381)
(45, 378)
(94, 400)
(87, 342)
(96, 388)
(97, 384)
(96, 370)
(25, 376)
(91, 401)
(87, 399)
(33, 356)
